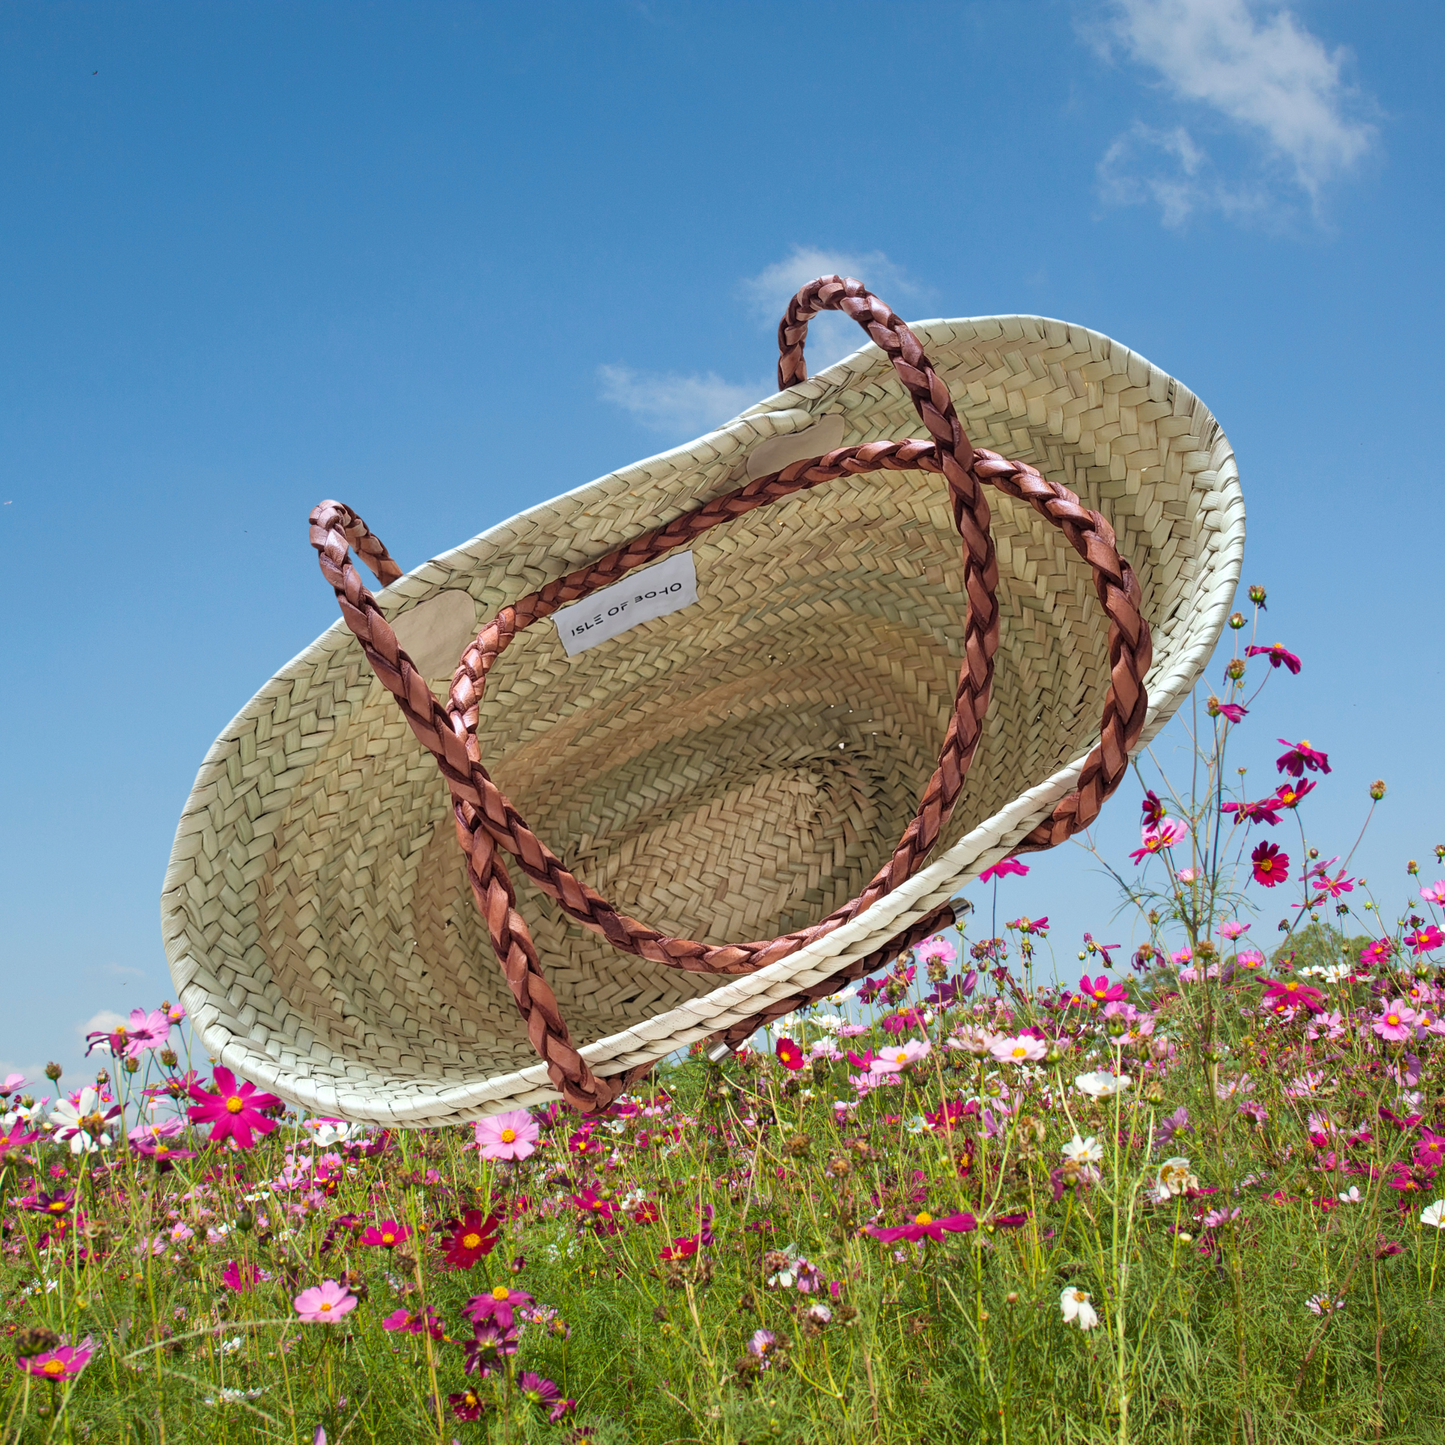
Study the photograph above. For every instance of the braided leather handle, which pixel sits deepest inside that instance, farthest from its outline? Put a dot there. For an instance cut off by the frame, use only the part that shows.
(486, 819)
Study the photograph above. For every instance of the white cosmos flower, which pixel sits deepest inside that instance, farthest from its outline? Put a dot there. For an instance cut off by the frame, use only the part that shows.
(1175, 1176)
(85, 1125)
(1350, 1195)
(839, 999)
(1078, 1308)
(1434, 1214)
(1083, 1151)
(829, 1023)
(1101, 1085)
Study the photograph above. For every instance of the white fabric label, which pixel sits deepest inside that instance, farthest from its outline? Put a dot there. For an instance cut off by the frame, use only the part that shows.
(649, 592)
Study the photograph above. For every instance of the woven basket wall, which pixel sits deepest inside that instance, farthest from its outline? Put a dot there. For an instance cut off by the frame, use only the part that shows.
(731, 771)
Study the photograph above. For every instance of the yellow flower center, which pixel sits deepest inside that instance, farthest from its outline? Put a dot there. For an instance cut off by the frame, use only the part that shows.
(325, 1306)
(388, 1237)
(54, 1367)
(235, 1104)
(1020, 1052)
(471, 1241)
(924, 1218)
(1392, 1018)
(501, 1292)
(901, 1057)
(508, 1136)
(58, 1206)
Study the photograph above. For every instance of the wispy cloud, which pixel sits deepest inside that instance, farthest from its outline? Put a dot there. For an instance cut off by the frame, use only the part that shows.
(679, 406)
(106, 1019)
(1260, 71)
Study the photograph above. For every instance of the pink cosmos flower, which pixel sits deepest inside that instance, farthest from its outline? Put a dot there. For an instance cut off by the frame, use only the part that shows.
(512, 1135)
(386, 1234)
(64, 1362)
(1249, 958)
(1025, 1049)
(1187, 875)
(1233, 929)
(325, 1303)
(937, 947)
(1271, 866)
(1301, 756)
(1395, 1021)
(924, 1226)
(1158, 836)
(412, 1324)
(233, 1111)
(11, 1084)
(1377, 952)
(131, 1039)
(897, 1057)
(13, 1142)
(499, 1304)
(1003, 868)
(1423, 940)
(1278, 654)
(1040, 926)
(1431, 893)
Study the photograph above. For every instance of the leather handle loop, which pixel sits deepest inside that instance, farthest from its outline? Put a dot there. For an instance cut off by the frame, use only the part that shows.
(487, 820)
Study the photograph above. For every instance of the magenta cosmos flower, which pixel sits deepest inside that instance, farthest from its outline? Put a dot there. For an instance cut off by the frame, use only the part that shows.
(385, 1234)
(1425, 939)
(1279, 656)
(1271, 866)
(1003, 868)
(1396, 1021)
(790, 1056)
(1229, 711)
(64, 1362)
(131, 1039)
(1301, 756)
(924, 1226)
(507, 1136)
(233, 1111)
(324, 1303)
(1101, 990)
(1293, 994)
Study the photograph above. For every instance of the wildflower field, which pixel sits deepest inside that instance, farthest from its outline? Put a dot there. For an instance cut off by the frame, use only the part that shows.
(1193, 1194)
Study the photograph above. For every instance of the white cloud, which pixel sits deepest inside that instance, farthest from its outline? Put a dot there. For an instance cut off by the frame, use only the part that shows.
(1260, 70)
(107, 1020)
(677, 405)
(681, 406)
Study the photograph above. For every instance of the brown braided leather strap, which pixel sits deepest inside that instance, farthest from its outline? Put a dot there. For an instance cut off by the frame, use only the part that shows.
(487, 820)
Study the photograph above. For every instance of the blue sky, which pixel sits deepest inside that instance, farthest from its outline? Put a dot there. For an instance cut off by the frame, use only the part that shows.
(445, 261)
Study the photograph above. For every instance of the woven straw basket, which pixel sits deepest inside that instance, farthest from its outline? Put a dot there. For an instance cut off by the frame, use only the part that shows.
(906, 659)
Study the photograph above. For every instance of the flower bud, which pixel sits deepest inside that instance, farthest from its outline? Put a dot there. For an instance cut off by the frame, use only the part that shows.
(1236, 620)
(169, 1058)
(1185, 1238)
(1235, 670)
(245, 1221)
(1257, 596)
(1012, 1297)
(1412, 867)
(1377, 789)
(102, 1077)
(34, 1341)
(518, 1264)
(53, 1072)
(131, 1066)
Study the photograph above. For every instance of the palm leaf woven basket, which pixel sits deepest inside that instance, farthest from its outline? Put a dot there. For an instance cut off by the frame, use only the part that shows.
(942, 590)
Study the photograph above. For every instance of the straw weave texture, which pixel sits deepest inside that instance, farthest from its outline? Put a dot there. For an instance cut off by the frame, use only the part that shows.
(735, 770)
